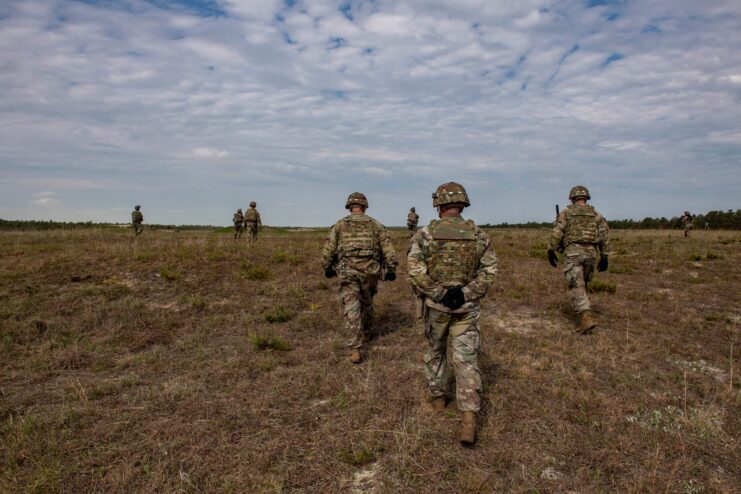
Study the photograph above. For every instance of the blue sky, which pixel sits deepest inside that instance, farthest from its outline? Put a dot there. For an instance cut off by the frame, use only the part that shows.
(195, 108)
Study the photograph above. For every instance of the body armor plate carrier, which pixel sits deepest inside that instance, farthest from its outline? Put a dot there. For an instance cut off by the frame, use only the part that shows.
(581, 225)
(358, 238)
(250, 215)
(453, 252)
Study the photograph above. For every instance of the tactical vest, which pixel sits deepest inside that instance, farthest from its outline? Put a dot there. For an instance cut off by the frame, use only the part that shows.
(453, 258)
(237, 218)
(137, 217)
(581, 225)
(358, 237)
(412, 219)
(251, 215)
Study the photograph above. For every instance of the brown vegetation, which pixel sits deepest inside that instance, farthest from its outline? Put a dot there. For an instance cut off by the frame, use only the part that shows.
(192, 362)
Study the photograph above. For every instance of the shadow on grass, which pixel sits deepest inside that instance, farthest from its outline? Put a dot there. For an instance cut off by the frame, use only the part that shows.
(390, 320)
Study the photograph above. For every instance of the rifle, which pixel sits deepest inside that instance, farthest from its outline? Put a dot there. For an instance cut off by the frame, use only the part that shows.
(557, 211)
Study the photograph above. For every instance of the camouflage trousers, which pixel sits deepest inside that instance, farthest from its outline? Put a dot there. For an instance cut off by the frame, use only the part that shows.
(238, 230)
(460, 332)
(251, 230)
(412, 230)
(356, 293)
(138, 228)
(687, 229)
(578, 270)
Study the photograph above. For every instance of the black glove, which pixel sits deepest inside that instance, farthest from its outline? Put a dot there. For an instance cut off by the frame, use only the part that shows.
(552, 258)
(389, 276)
(330, 273)
(453, 298)
(603, 264)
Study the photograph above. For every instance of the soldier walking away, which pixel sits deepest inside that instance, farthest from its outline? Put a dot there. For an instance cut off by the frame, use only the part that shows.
(412, 220)
(238, 220)
(580, 233)
(252, 221)
(451, 264)
(357, 249)
(137, 218)
(686, 220)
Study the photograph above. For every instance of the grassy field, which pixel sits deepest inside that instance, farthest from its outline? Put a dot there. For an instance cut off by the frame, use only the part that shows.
(191, 362)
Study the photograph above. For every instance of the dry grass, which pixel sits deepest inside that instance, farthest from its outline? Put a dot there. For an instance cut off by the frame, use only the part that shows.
(152, 365)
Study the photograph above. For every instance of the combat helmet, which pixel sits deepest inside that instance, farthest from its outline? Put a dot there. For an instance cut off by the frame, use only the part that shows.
(239, 210)
(137, 207)
(450, 193)
(356, 199)
(253, 204)
(412, 209)
(578, 191)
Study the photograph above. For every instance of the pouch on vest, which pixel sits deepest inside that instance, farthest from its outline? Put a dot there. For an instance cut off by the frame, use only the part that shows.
(453, 256)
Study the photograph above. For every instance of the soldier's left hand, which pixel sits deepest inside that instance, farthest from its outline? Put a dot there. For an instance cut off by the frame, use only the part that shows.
(330, 273)
(454, 298)
(552, 258)
(603, 264)
(389, 276)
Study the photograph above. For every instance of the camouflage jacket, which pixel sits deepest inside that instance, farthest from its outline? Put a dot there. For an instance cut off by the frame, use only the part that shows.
(580, 230)
(412, 219)
(363, 252)
(137, 216)
(238, 219)
(686, 219)
(252, 215)
(419, 268)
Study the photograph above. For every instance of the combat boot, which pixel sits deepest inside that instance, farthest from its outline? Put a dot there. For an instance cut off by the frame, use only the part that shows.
(586, 323)
(468, 428)
(356, 357)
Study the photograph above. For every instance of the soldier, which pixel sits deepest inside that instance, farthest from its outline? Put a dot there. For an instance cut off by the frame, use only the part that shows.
(136, 220)
(451, 264)
(686, 220)
(412, 220)
(359, 247)
(252, 221)
(238, 219)
(580, 233)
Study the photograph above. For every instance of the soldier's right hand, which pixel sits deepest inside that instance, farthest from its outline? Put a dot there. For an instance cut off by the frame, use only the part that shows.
(453, 298)
(552, 258)
(330, 273)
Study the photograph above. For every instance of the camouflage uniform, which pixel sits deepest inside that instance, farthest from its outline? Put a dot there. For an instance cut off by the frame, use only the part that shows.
(580, 233)
(252, 221)
(358, 246)
(686, 223)
(412, 220)
(238, 219)
(447, 253)
(137, 218)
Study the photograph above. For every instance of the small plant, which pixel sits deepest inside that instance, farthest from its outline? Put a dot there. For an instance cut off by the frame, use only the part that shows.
(695, 257)
(596, 286)
(279, 314)
(322, 285)
(713, 256)
(357, 458)
(269, 342)
(257, 273)
(196, 301)
(621, 269)
(169, 274)
(282, 257)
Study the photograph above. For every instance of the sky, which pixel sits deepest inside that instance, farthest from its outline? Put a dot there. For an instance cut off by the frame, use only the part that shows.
(194, 108)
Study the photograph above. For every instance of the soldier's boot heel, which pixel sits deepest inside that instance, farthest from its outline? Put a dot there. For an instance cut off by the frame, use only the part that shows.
(468, 428)
(586, 323)
(356, 357)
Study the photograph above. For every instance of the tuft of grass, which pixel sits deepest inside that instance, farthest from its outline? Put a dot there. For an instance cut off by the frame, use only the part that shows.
(596, 286)
(269, 342)
(621, 269)
(196, 301)
(713, 256)
(695, 257)
(170, 274)
(279, 314)
(283, 257)
(357, 458)
(257, 273)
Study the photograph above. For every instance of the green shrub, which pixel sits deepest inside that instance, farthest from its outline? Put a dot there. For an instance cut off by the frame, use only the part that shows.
(596, 286)
(712, 256)
(279, 314)
(695, 257)
(258, 273)
(269, 342)
(621, 269)
(169, 273)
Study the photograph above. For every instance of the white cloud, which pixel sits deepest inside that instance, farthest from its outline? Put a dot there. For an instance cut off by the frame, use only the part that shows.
(209, 153)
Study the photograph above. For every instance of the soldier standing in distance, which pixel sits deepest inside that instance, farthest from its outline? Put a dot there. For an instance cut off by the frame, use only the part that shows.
(136, 220)
(238, 219)
(412, 220)
(358, 246)
(686, 223)
(252, 221)
(580, 233)
(451, 264)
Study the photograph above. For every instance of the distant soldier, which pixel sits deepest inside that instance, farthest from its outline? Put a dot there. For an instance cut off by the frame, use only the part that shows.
(686, 220)
(252, 221)
(238, 220)
(137, 218)
(580, 233)
(358, 247)
(412, 220)
(451, 264)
